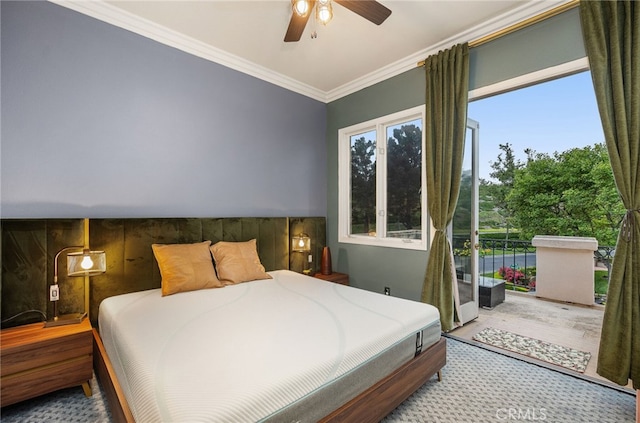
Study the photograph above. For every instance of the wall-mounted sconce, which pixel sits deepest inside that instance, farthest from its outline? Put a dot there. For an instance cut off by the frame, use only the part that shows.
(85, 263)
(302, 244)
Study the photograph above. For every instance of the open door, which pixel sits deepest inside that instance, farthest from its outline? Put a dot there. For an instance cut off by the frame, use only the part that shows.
(464, 228)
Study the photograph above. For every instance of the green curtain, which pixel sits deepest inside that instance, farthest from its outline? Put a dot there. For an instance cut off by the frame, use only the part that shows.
(611, 31)
(445, 125)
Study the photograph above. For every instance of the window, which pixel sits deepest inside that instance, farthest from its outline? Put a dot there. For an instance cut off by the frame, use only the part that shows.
(381, 181)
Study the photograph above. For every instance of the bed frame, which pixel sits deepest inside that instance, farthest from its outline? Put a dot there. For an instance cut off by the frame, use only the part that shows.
(129, 240)
(132, 267)
(370, 406)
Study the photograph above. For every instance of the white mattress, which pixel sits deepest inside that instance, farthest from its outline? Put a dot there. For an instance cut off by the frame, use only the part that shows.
(246, 351)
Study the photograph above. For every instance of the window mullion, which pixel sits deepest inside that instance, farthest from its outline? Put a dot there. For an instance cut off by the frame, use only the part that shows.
(381, 182)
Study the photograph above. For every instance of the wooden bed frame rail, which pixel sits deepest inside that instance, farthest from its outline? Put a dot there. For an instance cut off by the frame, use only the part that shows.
(378, 401)
(120, 412)
(370, 406)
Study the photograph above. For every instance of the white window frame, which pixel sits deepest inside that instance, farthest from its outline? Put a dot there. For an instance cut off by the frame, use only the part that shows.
(533, 78)
(379, 125)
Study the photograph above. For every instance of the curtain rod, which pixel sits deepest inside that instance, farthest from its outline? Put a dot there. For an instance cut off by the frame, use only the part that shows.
(522, 24)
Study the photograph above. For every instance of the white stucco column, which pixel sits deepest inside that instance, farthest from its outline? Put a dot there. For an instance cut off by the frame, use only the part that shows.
(564, 268)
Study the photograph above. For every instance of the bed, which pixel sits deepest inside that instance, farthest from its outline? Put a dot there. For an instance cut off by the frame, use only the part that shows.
(282, 347)
(290, 348)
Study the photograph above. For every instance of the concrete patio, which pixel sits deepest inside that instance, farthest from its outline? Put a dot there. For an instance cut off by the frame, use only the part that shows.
(561, 323)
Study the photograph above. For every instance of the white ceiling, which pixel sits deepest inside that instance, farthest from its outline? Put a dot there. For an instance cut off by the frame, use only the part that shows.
(348, 54)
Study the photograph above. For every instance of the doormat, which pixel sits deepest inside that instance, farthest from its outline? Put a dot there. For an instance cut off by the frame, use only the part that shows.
(568, 358)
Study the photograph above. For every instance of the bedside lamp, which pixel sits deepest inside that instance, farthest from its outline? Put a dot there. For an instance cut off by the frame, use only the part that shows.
(302, 244)
(85, 263)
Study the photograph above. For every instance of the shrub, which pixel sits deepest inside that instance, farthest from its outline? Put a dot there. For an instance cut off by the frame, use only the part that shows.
(512, 275)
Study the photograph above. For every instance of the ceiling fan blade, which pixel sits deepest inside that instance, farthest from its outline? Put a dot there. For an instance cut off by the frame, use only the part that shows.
(297, 24)
(368, 9)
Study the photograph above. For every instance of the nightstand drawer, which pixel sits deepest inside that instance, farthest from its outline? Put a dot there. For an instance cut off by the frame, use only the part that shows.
(46, 352)
(42, 380)
(335, 277)
(38, 360)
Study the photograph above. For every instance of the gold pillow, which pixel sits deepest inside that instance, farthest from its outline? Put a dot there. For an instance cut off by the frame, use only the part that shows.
(238, 262)
(185, 267)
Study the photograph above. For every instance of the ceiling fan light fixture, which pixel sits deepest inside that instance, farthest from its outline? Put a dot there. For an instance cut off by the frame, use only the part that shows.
(300, 7)
(324, 11)
(371, 10)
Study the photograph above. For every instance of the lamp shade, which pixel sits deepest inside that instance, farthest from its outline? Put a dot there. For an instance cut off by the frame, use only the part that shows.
(86, 263)
(301, 243)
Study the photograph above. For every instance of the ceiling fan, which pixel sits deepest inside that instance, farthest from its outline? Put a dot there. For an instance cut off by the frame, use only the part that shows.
(368, 9)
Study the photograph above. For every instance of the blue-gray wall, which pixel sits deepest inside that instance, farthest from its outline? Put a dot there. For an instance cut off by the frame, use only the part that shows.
(100, 122)
(175, 135)
(548, 43)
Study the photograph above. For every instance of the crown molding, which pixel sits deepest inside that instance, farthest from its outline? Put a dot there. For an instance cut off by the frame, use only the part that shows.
(505, 20)
(100, 10)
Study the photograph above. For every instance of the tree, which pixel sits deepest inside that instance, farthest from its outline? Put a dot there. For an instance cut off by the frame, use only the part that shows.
(404, 176)
(462, 218)
(363, 184)
(489, 214)
(570, 193)
(504, 170)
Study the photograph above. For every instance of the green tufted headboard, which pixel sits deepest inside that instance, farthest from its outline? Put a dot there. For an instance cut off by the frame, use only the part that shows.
(28, 246)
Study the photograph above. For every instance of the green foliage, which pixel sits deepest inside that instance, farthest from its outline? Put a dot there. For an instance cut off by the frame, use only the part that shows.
(514, 236)
(404, 176)
(363, 184)
(601, 280)
(504, 170)
(571, 193)
(462, 217)
(511, 287)
(404, 180)
(465, 251)
(489, 214)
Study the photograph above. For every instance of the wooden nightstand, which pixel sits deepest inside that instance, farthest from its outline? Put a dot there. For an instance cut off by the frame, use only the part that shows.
(38, 360)
(341, 278)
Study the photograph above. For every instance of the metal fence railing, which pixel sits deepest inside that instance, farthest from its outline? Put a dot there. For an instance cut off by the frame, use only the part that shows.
(604, 256)
(497, 256)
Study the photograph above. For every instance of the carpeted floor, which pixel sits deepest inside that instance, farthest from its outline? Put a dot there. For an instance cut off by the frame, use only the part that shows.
(64, 406)
(478, 386)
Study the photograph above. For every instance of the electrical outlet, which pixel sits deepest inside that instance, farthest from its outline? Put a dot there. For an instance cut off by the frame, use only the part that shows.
(310, 258)
(387, 290)
(54, 293)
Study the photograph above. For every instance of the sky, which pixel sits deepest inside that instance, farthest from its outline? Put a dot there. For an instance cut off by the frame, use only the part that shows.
(553, 116)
